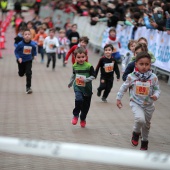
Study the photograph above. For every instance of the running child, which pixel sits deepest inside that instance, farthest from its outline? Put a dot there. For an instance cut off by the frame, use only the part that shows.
(50, 45)
(107, 65)
(24, 52)
(83, 41)
(63, 45)
(83, 74)
(39, 38)
(144, 90)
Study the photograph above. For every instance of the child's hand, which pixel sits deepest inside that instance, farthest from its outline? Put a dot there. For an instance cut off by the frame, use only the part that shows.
(102, 81)
(69, 85)
(154, 98)
(35, 58)
(119, 104)
(118, 79)
(20, 60)
(65, 62)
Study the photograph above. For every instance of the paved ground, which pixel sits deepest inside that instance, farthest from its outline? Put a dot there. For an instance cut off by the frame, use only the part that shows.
(46, 114)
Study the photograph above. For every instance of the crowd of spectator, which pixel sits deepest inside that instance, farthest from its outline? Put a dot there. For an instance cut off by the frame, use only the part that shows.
(154, 14)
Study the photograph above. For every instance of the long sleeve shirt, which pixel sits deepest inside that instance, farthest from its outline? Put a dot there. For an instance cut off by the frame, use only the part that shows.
(71, 51)
(25, 50)
(39, 38)
(140, 92)
(50, 44)
(107, 68)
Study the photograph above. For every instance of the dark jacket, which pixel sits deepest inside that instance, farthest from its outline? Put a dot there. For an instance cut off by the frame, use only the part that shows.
(129, 69)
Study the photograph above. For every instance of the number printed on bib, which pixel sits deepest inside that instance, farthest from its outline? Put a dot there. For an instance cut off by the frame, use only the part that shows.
(27, 50)
(108, 67)
(74, 39)
(80, 80)
(142, 88)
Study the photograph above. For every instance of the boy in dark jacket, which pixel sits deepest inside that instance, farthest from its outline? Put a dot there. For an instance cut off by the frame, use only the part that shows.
(107, 65)
(24, 52)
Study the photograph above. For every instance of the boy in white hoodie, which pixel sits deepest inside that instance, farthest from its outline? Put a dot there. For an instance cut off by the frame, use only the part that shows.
(144, 89)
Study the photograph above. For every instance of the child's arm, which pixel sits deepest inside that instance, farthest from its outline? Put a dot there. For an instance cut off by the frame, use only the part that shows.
(122, 90)
(157, 91)
(17, 49)
(116, 68)
(92, 75)
(69, 53)
(97, 67)
(34, 51)
(72, 79)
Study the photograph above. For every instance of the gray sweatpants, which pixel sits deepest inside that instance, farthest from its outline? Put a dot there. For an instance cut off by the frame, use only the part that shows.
(142, 116)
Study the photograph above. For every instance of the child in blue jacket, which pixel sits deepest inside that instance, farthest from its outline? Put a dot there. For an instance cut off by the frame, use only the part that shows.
(24, 52)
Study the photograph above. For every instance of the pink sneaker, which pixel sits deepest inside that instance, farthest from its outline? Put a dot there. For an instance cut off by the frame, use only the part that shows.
(82, 123)
(74, 120)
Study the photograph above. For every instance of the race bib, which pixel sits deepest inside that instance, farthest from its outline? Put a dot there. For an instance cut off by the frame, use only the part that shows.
(79, 81)
(41, 38)
(61, 48)
(108, 67)
(142, 88)
(27, 50)
(74, 39)
(51, 46)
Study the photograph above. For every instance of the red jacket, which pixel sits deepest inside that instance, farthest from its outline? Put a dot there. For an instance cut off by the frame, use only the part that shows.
(71, 51)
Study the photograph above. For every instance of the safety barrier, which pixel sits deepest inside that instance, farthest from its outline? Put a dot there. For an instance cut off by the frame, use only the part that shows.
(90, 153)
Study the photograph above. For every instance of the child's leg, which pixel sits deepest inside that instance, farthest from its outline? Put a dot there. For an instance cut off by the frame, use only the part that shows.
(78, 103)
(49, 59)
(102, 85)
(41, 52)
(148, 115)
(139, 116)
(64, 56)
(21, 69)
(54, 59)
(109, 85)
(28, 73)
(85, 107)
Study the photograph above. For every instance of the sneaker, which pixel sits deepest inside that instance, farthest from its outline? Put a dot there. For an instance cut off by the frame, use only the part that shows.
(29, 90)
(47, 65)
(82, 123)
(98, 93)
(135, 139)
(104, 99)
(74, 120)
(144, 145)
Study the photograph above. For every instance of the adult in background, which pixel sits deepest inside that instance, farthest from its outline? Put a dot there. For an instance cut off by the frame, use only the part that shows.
(37, 6)
(3, 6)
(17, 7)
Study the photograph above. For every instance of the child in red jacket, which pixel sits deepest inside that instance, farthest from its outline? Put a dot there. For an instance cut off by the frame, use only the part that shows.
(83, 41)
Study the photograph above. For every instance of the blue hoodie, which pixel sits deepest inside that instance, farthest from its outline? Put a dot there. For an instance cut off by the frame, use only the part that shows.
(25, 50)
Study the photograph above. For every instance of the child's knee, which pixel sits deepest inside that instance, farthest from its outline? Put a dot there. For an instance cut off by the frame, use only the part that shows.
(140, 120)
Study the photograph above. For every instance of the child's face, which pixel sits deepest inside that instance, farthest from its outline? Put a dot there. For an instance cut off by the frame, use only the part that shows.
(132, 47)
(29, 26)
(137, 51)
(83, 44)
(74, 28)
(41, 30)
(112, 34)
(27, 36)
(108, 52)
(143, 41)
(51, 34)
(143, 65)
(62, 34)
(80, 58)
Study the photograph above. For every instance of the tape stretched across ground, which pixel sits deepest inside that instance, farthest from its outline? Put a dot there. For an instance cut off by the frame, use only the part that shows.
(81, 152)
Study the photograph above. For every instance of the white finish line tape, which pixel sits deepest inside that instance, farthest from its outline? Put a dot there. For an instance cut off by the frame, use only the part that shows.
(98, 154)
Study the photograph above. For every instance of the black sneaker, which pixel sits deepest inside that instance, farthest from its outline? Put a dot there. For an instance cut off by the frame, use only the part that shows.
(29, 90)
(98, 93)
(144, 145)
(104, 99)
(135, 139)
